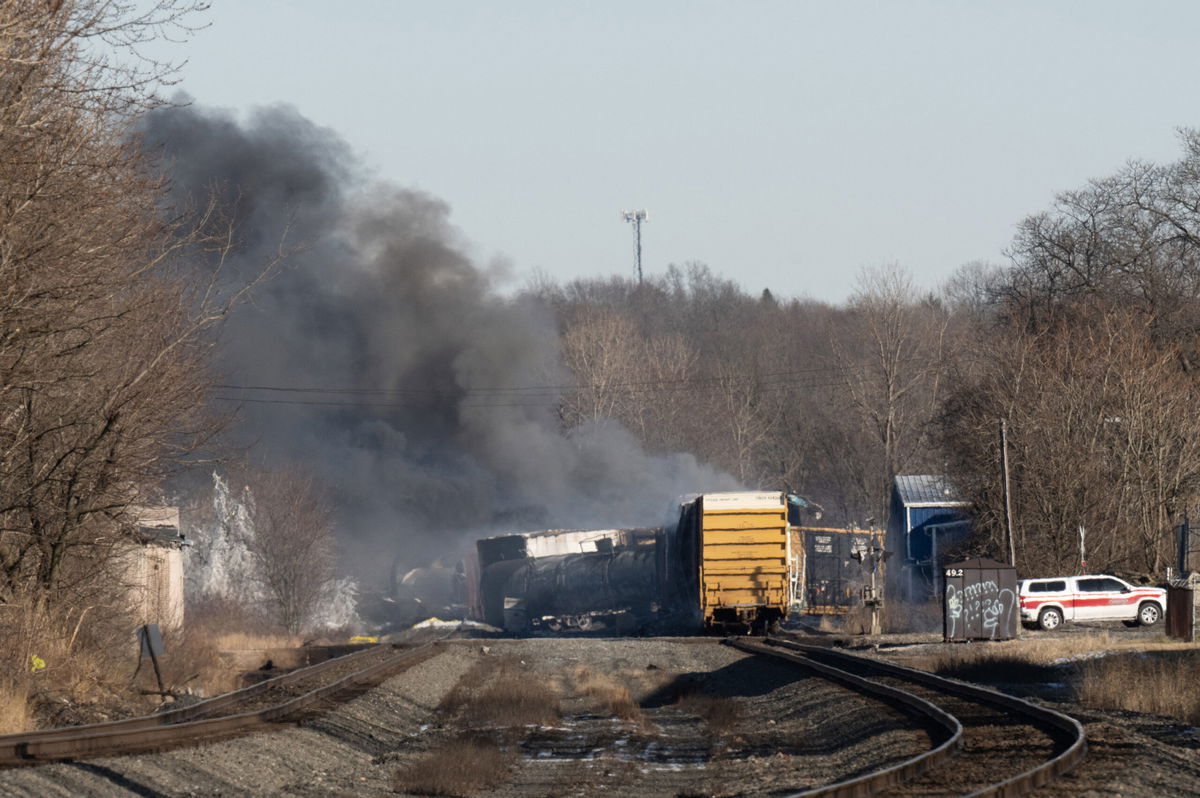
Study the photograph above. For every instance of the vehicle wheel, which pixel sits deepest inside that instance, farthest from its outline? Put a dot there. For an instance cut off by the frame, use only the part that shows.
(1149, 614)
(1050, 619)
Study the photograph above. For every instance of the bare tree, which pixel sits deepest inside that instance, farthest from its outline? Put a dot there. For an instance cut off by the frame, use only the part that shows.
(293, 544)
(890, 353)
(103, 338)
(623, 373)
(1102, 436)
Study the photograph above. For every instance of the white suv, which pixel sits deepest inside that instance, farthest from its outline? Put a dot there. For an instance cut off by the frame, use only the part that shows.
(1050, 602)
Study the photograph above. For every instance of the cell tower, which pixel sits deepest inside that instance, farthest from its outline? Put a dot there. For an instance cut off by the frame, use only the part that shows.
(637, 217)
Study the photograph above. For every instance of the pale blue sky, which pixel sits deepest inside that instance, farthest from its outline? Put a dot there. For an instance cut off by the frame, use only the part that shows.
(785, 144)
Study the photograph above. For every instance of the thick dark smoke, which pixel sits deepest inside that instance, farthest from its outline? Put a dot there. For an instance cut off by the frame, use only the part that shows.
(382, 307)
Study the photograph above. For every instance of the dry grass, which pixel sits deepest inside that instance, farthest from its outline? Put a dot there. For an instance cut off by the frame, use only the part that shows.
(1162, 683)
(87, 655)
(895, 618)
(1111, 671)
(606, 695)
(498, 700)
(248, 641)
(90, 654)
(720, 713)
(900, 617)
(1035, 650)
(462, 767)
(500, 693)
(193, 662)
(15, 711)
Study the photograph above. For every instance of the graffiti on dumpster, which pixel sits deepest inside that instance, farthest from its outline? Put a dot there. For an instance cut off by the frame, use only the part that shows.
(979, 605)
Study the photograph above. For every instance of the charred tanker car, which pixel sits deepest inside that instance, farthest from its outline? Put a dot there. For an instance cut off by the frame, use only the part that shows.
(569, 579)
(724, 565)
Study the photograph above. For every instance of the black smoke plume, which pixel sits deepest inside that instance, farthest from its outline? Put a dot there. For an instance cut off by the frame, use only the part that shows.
(422, 422)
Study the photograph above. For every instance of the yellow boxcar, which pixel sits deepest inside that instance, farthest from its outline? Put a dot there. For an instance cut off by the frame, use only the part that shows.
(744, 549)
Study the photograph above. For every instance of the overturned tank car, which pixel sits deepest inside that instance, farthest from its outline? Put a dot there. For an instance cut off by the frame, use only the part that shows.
(562, 580)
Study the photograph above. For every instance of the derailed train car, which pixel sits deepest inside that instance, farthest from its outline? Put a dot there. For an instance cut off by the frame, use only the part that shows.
(569, 579)
(611, 591)
(724, 565)
(832, 576)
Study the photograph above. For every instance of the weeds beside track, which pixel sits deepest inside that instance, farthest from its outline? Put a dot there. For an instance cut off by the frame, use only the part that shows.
(259, 706)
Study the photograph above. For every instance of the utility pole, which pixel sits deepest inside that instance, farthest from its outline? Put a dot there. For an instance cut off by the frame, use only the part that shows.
(1008, 525)
(1185, 546)
(636, 217)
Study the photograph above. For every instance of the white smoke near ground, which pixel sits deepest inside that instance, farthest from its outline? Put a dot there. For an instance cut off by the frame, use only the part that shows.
(386, 361)
(220, 564)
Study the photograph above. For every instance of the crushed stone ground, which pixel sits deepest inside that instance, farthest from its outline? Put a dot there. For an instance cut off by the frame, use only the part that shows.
(791, 731)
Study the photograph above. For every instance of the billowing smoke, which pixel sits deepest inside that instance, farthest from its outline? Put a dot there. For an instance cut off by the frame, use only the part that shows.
(422, 418)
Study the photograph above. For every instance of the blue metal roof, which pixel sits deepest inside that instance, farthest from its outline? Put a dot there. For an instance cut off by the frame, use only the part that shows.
(926, 490)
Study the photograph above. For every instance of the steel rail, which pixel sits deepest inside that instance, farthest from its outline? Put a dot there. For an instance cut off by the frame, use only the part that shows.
(1020, 784)
(183, 714)
(152, 731)
(919, 708)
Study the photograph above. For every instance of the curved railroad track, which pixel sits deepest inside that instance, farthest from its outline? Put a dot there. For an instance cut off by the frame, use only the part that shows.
(264, 705)
(1005, 746)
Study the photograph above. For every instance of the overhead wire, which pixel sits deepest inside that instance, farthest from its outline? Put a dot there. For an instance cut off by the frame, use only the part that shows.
(682, 381)
(527, 396)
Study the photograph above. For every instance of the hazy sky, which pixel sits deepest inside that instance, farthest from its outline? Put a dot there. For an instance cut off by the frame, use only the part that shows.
(785, 144)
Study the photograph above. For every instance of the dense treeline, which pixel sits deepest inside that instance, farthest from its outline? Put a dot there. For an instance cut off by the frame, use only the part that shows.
(1085, 344)
(825, 400)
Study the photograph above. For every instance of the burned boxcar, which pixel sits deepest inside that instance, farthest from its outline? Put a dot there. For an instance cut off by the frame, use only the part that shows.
(833, 577)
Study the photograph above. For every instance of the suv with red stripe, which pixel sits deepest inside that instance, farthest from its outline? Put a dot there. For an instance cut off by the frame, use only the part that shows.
(1098, 597)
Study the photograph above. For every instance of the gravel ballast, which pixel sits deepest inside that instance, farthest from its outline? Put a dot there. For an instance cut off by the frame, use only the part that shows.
(783, 730)
(702, 719)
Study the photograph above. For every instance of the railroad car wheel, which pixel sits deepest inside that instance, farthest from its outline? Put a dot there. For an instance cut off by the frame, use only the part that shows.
(1050, 619)
(1149, 614)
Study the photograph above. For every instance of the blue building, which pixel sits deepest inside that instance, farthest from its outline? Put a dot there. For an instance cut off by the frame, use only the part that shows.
(927, 515)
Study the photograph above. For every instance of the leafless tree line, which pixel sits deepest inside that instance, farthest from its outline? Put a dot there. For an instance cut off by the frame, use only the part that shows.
(827, 401)
(1085, 344)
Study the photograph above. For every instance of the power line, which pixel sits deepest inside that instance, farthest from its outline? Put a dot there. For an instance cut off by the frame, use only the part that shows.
(463, 401)
(683, 382)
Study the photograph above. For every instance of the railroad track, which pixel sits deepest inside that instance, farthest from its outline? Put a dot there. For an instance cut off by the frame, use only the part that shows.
(1003, 746)
(267, 704)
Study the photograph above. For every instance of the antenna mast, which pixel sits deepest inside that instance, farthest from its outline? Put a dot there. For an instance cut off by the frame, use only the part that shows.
(636, 217)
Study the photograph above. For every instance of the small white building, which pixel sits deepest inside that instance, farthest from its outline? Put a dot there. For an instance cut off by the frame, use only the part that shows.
(154, 568)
